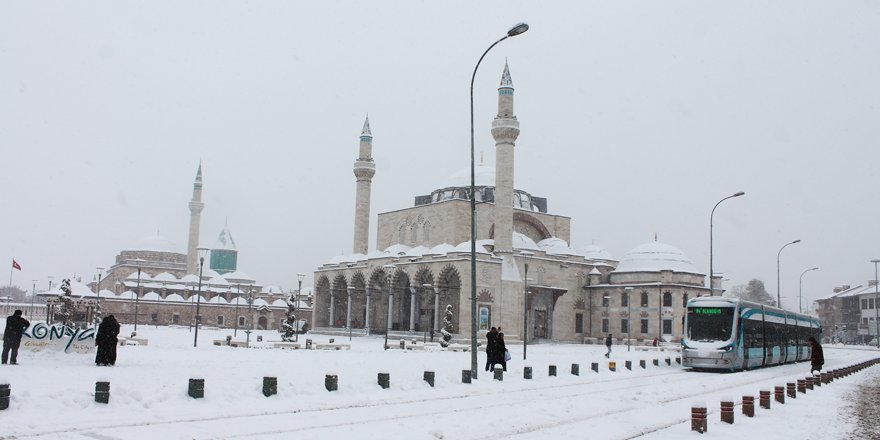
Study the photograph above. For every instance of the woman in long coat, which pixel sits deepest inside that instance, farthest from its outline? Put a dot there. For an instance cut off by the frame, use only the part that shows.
(106, 340)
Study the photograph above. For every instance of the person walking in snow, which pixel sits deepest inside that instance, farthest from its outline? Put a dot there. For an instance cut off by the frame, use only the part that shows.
(15, 326)
(608, 344)
(491, 337)
(501, 351)
(106, 340)
(817, 358)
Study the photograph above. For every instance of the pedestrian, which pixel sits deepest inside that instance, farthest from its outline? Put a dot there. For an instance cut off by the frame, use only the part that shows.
(608, 344)
(15, 326)
(817, 358)
(490, 348)
(106, 340)
(501, 351)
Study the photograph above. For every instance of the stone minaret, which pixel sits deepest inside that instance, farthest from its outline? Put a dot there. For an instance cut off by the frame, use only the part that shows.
(505, 130)
(195, 214)
(364, 169)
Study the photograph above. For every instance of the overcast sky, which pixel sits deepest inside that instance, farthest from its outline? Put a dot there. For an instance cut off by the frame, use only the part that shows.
(636, 118)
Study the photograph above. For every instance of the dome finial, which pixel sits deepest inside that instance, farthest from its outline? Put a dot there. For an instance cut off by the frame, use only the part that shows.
(366, 130)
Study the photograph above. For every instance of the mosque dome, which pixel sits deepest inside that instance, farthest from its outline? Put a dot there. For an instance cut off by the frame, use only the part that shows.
(521, 241)
(593, 252)
(458, 186)
(654, 257)
(556, 246)
(156, 243)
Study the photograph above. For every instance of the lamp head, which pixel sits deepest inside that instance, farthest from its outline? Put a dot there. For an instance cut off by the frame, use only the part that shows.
(517, 29)
(300, 276)
(875, 261)
(741, 193)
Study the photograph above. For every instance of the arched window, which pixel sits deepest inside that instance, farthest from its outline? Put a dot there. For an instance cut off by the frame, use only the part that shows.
(684, 300)
(644, 299)
(414, 234)
(402, 234)
(426, 232)
(624, 299)
(667, 299)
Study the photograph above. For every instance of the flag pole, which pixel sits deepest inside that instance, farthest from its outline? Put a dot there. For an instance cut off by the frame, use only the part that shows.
(10, 273)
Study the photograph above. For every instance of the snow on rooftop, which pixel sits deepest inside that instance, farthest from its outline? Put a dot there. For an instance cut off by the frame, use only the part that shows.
(557, 246)
(520, 241)
(654, 257)
(218, 281)
(397, 249)
(441, 249)
(279, 303)
(593, 252)
(218, 300)
(151, 296)
(164, 276)
(190, 278)
(174, 298)
(238, 275)
(144, 276)
(417, 251)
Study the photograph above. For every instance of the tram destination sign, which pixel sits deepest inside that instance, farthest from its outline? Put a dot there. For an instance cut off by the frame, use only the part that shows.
(707, 310)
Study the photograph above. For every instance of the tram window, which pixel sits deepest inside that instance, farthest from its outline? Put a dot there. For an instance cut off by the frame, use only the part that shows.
(706, 324)
(752, 333)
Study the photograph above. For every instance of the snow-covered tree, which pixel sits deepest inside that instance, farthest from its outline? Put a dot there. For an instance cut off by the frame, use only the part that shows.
(65, 313)
(446, 331)
(289, 325)
(753, 291)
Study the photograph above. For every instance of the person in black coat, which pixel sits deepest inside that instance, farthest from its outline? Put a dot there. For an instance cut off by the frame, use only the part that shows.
(491, 337)
(501, 351)
(608, 344)
(817, 358)
(15, 326)
(106, 340)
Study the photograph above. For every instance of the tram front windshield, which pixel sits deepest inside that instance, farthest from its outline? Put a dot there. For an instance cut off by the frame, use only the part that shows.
(706, 324)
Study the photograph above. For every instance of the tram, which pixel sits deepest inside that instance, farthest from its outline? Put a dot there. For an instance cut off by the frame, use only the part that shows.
(730, 334)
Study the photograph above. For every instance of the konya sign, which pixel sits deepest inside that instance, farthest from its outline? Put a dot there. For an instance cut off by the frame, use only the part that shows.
(58, 337)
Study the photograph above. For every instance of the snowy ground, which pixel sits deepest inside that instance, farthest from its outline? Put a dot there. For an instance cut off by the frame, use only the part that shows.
(52, 394)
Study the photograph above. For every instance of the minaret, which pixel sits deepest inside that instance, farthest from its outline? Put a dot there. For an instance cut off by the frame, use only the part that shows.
(505, 130)
(195, 214)
(364, 169)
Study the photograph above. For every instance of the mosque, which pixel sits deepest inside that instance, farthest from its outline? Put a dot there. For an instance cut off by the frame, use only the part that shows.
(529, 280)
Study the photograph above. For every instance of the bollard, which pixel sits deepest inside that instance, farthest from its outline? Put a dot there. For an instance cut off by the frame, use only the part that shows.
(764, 399)
(384, 380)
(802, 386)
(628, 365)
(749, 406)
(465, 376)
(332, 340)
(429, 377)
(789, 389)
(308, 344)
(668, 362)
(612, 366)
(196, 388)
(808, 381)
(678, 360)
(642, 364)
(552, 370)
(229, 340)
(594, 366)
(575, 369)
(817, 381)
(102, 392)
(779, 394)
(727, 411)
(527, 372)
(698, 419)
(656, 362)
(270, 386)
(4, 396)
(331, 382)
(498, 373)
(824, 378)
(402, 344)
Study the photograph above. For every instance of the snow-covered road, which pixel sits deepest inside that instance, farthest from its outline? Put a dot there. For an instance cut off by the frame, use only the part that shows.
(52, 394)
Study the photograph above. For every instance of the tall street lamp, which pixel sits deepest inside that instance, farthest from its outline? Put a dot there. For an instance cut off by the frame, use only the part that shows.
(514, 31)
(778, 254)
(711, 262)
(525, 333)
(237, 300)
(98, 293)
(876, 303)
(202, 253)
(299, 278)
(628, 291)
(801, 290)
(389, 268)
(33, 296)
(137, 292)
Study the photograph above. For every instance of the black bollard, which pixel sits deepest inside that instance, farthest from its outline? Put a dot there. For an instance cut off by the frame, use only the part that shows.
(4, 396)
(668, 362)
(102, 392)
(656, 362)
(575, 369)
(499, 373)
(270, 386)
(465, 376)
(384, 380)
(331, 382)
(594, 366)
(429, 377)
(552, 370)
(196, 388)
(628, 365)
(642, 364)
(527, 372)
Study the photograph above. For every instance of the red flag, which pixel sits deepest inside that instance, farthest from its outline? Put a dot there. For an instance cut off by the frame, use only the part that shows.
(15, 264)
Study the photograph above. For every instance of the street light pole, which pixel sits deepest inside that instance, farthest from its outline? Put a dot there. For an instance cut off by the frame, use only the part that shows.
(390, 269)
(202, 253)
(98, 293)
(628, 291)
(801, 290)
(137, 293)
(514, 31)
(778, 254)
(299, 279)
(528, 256)
(711, 256)
(876, 303)
(33, 295)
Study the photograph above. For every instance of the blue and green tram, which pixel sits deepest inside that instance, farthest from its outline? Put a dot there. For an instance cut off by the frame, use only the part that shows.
(731, 334)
